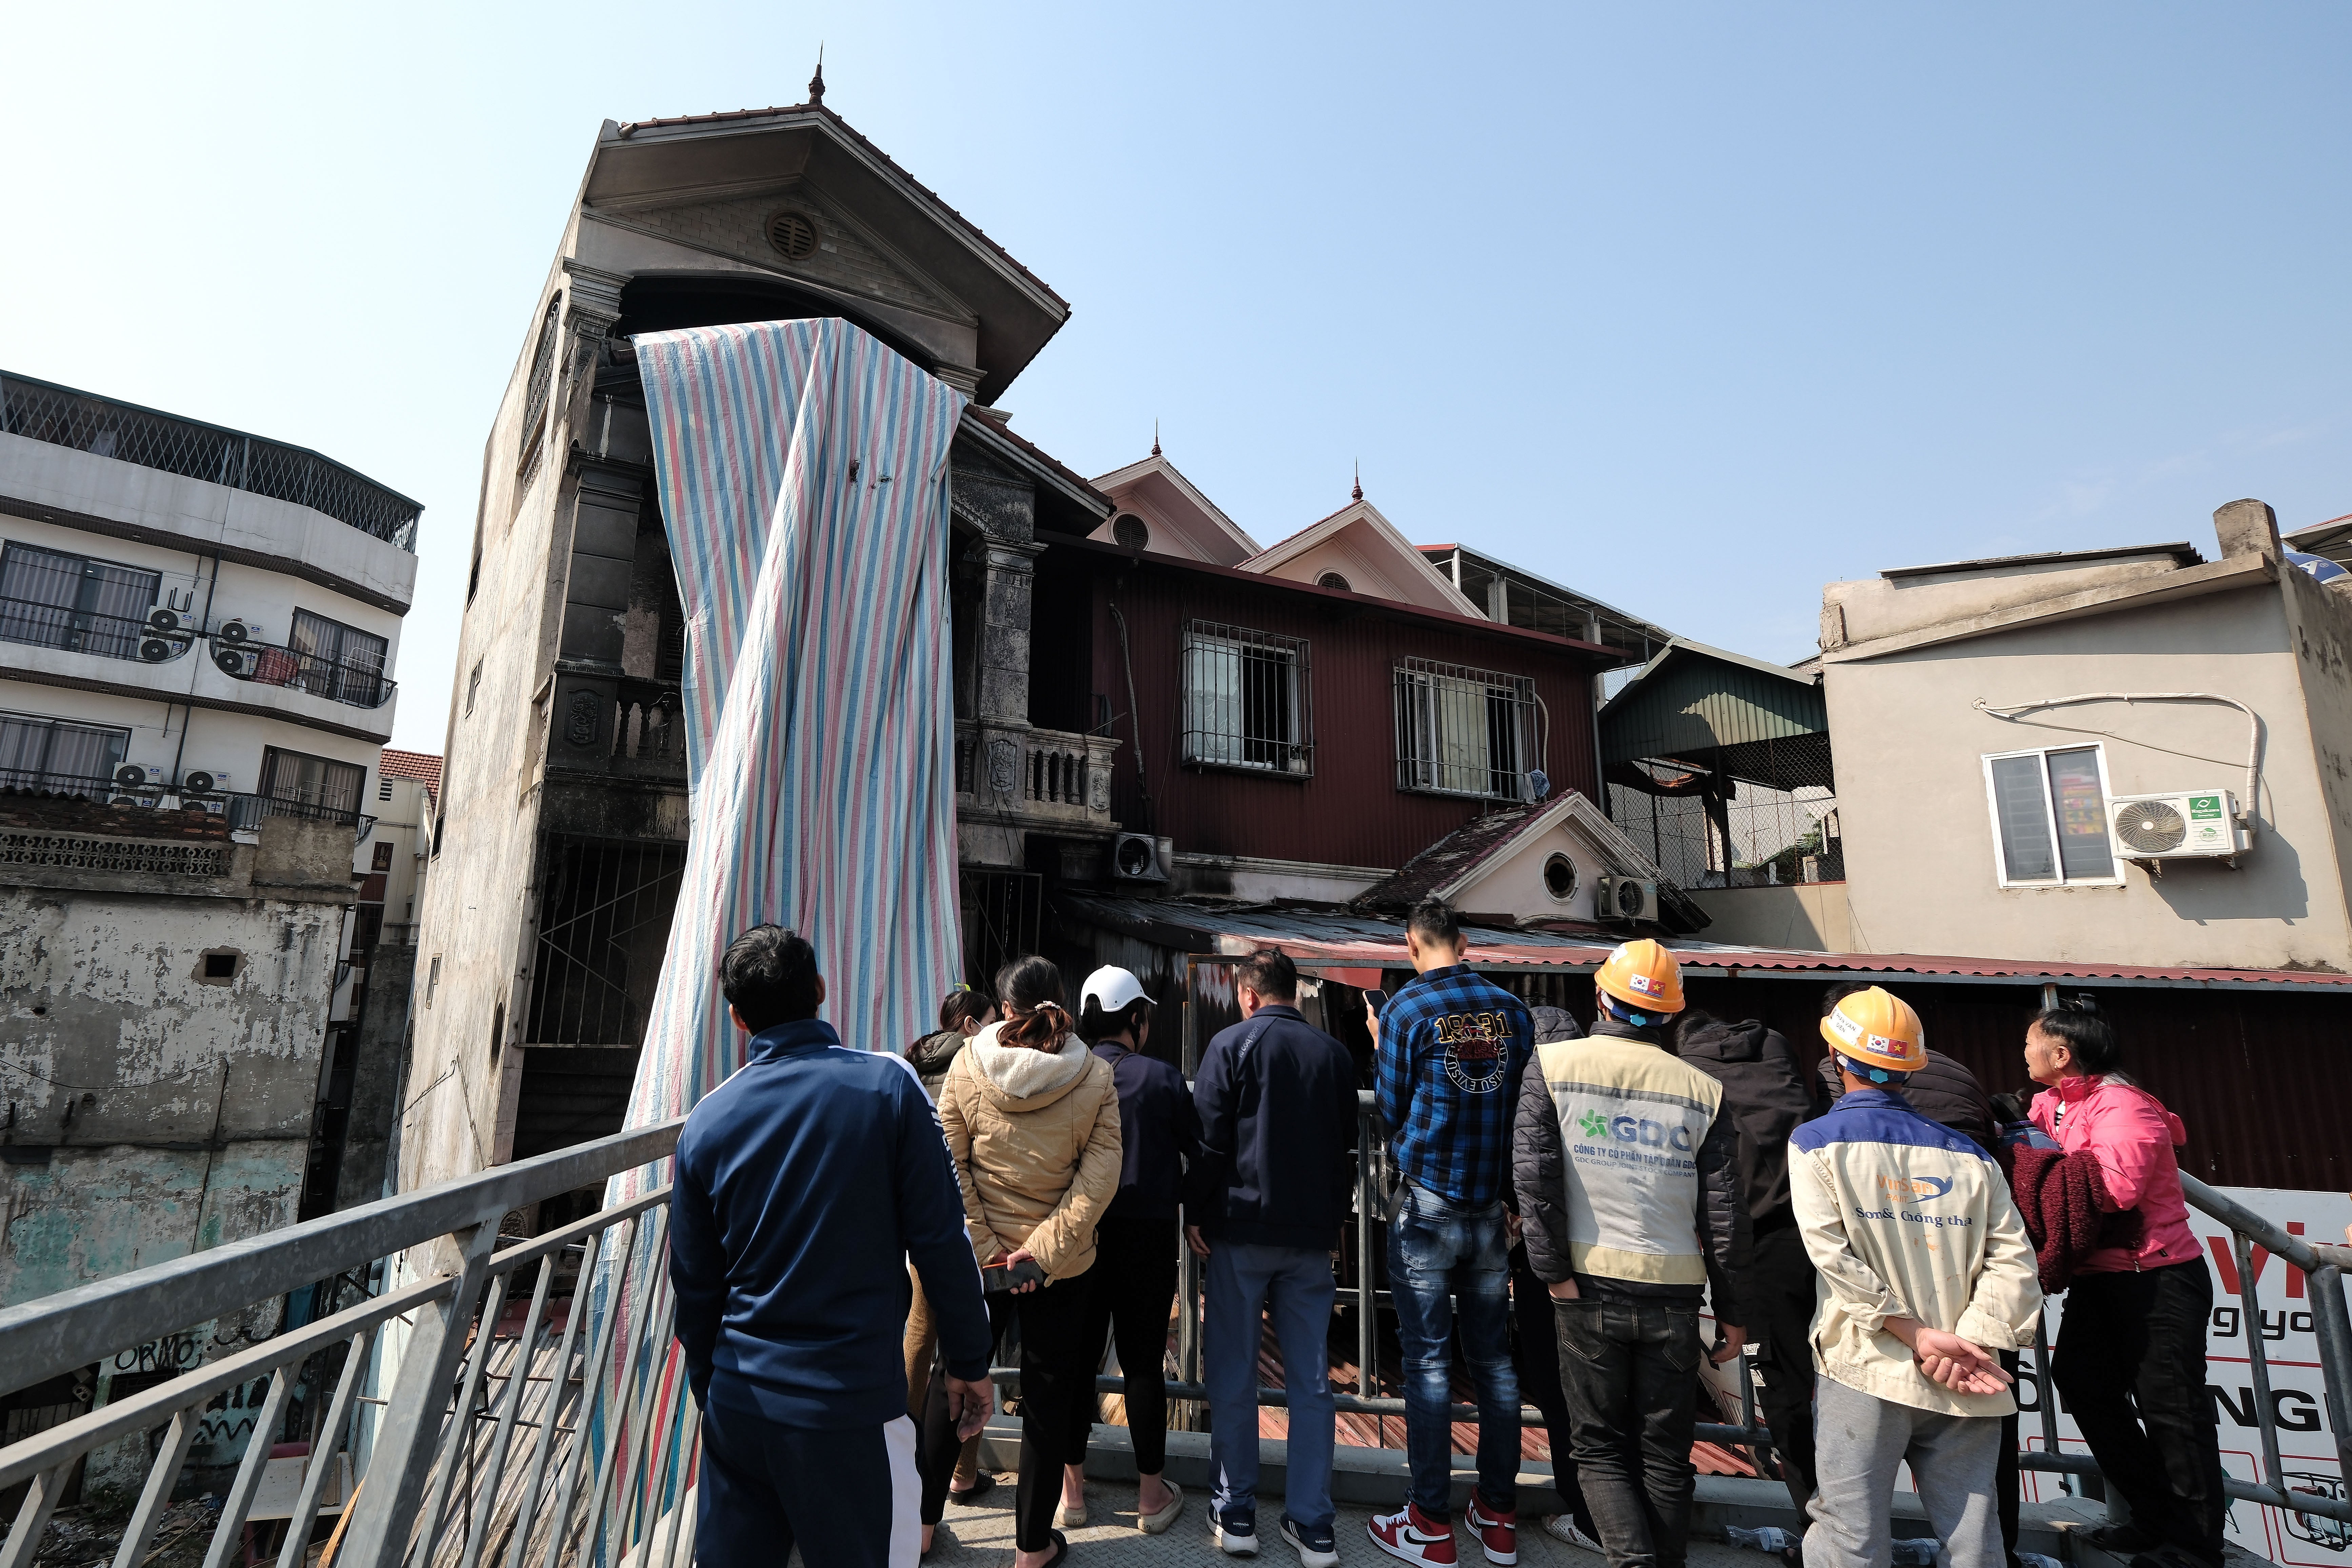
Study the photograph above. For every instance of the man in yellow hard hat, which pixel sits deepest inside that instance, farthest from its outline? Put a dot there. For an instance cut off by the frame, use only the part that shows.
(1624, 1159)
(1924, 1263)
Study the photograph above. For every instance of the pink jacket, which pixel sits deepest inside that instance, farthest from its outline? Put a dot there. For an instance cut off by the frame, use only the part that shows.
(2132, 1136)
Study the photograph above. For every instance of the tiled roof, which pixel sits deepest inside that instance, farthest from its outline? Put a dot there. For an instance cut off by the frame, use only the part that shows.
(411, 765)
(1451, 859)
(721, 116)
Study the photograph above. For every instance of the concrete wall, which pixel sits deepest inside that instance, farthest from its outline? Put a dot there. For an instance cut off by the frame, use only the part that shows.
(153, 1109)
(1809, 916)
(1918, 834)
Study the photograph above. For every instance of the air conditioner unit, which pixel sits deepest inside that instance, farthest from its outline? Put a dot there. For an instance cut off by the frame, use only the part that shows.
(1135, 857)
(2189, 825)
(237, 662)
(238, 629)
(1624, 899)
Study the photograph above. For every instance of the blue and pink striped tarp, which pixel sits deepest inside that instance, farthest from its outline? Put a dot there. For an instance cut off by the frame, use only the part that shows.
(802, 470)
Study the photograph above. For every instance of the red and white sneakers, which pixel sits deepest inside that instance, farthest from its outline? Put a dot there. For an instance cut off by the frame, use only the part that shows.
(1414, 1536)
(1498, 1533)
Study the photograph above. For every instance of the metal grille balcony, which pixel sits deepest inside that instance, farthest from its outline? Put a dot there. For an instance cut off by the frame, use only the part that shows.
(147, 639)
(361, 684)
(43, 411)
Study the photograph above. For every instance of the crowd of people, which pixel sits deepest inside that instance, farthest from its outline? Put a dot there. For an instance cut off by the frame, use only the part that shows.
(856, 1235)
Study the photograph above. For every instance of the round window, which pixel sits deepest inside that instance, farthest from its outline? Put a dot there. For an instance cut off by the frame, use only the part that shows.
(794, 234)
(1559, 878)
(1130, 531)
(1333, 580)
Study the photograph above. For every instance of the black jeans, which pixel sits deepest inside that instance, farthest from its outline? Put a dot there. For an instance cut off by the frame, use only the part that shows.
(1535, 1351)
(1778, 1292)
(2138, 1340)
(1053, 1368)
(1133, 1295)
(1630, 1372)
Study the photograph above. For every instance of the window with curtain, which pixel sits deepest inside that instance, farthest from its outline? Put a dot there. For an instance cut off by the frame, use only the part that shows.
(296, 784)
(56, 600)
(1246, 699)
(1464, 732)
(45, 753)
(2050, 816)
(338, 661)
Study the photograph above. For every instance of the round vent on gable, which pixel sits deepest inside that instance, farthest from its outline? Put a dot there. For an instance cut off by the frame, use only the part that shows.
(1333, 580)
(1559, 878)
(793, 234)
(1130, 531)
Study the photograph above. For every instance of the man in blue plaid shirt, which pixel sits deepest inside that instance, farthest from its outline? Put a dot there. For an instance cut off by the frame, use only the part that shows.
(1452, 1051)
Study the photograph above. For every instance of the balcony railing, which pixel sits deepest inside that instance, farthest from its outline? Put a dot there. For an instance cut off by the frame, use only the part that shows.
(572, 1446)
(1039, 775)
(274, 664)
(43, 411)
(155, 638)
(243, 811)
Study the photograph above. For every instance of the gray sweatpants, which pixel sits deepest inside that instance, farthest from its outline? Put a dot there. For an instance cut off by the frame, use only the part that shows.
(1860, 1440)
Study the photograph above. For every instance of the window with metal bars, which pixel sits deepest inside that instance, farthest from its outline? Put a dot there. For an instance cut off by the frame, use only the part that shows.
(1464, 731)
(1248, 701)
(536, 394)
(39, 752)
(56, 600)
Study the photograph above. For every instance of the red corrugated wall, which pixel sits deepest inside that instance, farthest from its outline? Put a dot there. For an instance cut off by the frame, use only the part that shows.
(2261, 1079)
(1350, 812)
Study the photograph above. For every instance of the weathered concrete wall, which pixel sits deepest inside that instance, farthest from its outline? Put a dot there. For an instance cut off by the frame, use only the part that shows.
(1809, 916)
(376, 1077)
(1920, 853)
(154, 1107)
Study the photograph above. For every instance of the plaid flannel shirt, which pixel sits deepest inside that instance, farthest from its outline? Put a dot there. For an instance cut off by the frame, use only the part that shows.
(1452, 1050)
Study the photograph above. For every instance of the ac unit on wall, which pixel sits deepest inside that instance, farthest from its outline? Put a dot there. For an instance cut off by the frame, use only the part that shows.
(1135, 857)
(1624, 899)
(2188, 824)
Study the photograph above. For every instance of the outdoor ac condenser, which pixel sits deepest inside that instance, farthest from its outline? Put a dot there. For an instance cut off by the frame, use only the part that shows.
(2193, 825)
(1135, 857)
(1624, 899)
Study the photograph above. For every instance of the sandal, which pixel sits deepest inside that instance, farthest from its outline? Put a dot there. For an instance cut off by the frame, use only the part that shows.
(1070, 1518)
(974, 1492)
(1158, 1524)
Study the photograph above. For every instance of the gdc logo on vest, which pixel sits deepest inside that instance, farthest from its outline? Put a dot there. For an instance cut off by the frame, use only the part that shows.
(1632, 1130)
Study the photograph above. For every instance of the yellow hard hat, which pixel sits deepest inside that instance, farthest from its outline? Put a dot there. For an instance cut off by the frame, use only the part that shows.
(1876, 1029)
(1642, 975)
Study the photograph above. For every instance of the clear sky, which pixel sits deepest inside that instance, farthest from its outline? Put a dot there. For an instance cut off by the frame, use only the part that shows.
(1692, 307)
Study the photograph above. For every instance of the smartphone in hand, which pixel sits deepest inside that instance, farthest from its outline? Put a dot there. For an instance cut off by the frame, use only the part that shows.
(1374, 1001)
(996, 1278)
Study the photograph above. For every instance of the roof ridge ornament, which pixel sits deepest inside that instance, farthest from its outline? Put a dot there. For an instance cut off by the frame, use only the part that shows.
(1357, 492)
(817, 82)
(1155, 437)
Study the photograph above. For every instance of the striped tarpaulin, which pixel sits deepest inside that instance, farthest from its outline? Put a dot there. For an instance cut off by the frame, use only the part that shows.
(802, 472)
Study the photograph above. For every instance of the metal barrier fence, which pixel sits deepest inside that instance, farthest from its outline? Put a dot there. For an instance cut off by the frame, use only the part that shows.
(444, 1478)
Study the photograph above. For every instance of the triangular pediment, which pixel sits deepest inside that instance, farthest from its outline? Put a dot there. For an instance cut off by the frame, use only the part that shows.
(1496, 864)
(1177, 518)
(1358, 549)
(843, 256)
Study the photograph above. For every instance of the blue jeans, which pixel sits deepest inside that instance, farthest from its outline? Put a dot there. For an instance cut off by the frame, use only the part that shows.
(1293, 1283)
(1446, 1261)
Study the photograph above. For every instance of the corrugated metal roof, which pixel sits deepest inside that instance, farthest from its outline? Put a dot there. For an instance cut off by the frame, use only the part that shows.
(1359, 941)
(1693, 701)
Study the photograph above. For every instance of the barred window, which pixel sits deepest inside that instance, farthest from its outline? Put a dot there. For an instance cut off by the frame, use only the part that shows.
(536, 394)
(1464, 731)
(1246, 700)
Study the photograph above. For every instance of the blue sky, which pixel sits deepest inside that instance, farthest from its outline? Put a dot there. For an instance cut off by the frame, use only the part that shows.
(1695, 308)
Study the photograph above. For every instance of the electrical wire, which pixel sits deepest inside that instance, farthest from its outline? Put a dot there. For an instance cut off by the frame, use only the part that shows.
(2249, 814)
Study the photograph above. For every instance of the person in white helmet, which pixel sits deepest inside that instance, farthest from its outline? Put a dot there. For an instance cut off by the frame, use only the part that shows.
(1135, 1242)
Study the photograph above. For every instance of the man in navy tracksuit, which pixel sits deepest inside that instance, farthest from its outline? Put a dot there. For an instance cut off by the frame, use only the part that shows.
(803, 1185)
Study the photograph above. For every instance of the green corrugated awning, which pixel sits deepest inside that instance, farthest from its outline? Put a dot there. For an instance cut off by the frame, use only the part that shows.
(1723, 712)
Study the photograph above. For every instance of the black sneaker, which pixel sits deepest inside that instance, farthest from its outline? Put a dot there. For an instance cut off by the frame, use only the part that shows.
(1234, 1531)
(1316, 1548)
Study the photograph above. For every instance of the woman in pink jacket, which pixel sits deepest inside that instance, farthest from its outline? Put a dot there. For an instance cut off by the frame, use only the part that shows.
(2136, 1316)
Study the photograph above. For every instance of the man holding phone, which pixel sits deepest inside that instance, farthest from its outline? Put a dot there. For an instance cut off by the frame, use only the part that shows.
(803, 1186)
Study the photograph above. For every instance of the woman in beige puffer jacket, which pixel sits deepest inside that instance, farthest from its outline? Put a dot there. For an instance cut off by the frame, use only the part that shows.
(1032, 1124)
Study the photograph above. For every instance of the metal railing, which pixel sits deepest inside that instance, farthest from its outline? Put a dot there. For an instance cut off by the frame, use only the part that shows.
(145, 638)
(363, 685)
(533, 1443)
(460, 1389)
(243, 810)
(44, 411)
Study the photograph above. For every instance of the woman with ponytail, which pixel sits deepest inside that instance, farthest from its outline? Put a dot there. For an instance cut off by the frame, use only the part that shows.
(1032, 1125)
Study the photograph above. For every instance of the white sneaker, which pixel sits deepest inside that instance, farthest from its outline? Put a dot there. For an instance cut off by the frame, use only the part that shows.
(1237, 1538)
(1562, 1527)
